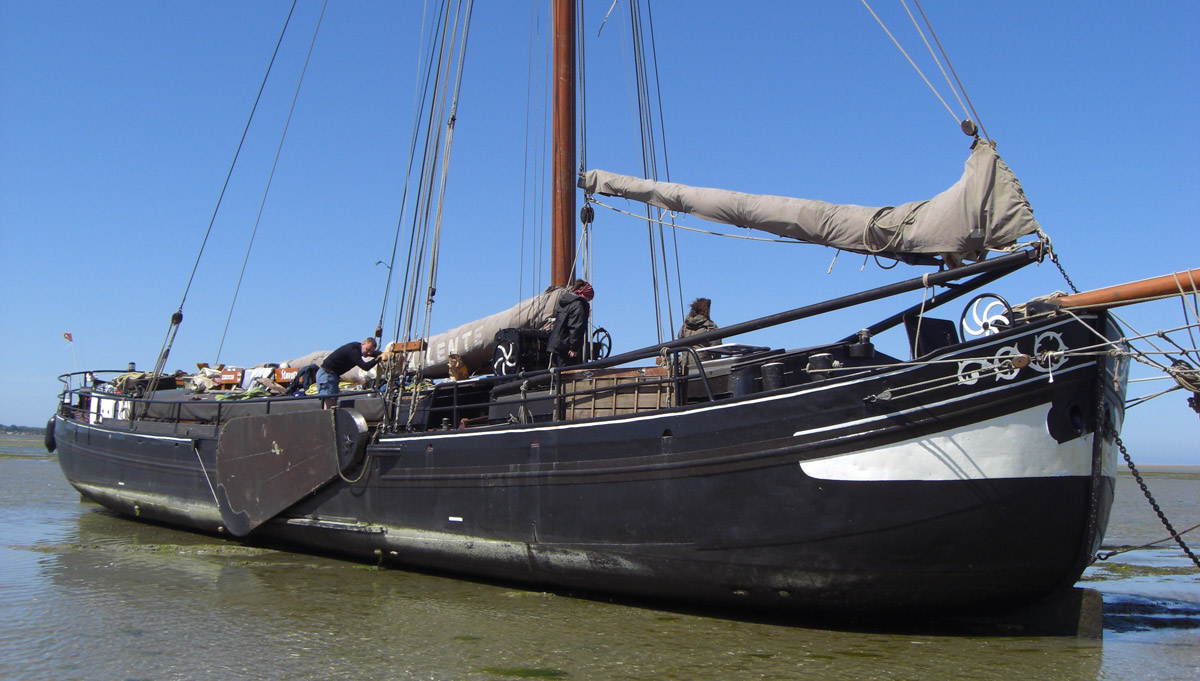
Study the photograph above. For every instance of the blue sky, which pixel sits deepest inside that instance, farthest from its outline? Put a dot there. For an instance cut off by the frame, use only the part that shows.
(118, 121)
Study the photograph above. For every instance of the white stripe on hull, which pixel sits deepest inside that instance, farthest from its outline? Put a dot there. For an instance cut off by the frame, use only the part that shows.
(1012, 446)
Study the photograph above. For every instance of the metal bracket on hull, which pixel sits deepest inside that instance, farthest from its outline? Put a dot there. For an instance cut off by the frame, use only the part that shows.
(267, 463)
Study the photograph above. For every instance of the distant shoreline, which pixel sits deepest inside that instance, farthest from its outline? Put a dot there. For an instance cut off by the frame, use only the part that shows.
(22, 430)
(1173, 469)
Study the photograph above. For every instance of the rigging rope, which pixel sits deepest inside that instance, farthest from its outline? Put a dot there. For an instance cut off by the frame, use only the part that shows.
(419, 92)
(421, 213)
(414, 258)
(538, 86)
(177, 317)
(1116, 552)
(662, 129)
(910, 61)
(529, 76)
(974, 114)
(445, 162)
(425, 236)
(931, 54)
(270, 178)
(641, 44)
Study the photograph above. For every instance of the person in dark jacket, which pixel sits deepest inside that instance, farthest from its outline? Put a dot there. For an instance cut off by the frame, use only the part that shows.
(697, 322)
(570, 325)
(344, 359)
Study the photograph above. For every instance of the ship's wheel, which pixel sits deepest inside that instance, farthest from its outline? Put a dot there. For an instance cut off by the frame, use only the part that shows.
(601, 344)
(986, 315)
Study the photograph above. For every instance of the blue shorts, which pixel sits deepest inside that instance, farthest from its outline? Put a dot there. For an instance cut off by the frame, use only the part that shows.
(327, 384)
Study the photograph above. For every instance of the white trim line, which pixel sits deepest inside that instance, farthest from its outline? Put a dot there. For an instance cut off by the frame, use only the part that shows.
(132, 433)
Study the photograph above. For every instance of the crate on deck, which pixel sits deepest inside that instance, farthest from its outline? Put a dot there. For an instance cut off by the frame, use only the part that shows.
(610, 392)
(229, 378)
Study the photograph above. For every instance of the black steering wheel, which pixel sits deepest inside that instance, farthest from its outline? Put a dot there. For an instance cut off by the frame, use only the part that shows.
(601, 344)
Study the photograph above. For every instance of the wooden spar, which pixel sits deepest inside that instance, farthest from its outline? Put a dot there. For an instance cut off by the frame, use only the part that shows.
(1187, 282)
(563, 209)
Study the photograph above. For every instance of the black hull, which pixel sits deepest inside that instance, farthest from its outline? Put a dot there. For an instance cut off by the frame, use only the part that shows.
(865, 494)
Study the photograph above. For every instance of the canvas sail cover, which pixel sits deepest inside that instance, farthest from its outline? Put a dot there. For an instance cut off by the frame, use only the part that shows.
(985, 209)
(475, 341)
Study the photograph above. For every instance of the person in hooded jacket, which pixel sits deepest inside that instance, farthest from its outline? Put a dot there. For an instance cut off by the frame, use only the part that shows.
(570, 325)
(696, 322)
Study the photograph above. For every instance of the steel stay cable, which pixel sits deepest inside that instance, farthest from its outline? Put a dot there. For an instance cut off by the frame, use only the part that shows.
(1116, 552)
(439, 62)
(1183, 301)
(420, 93)
(531, 117)
(416, 244)
(237, 153)
(1141, 357)
(445, 154)
(431, 78)
(270, 178)
(1148, 341)
(177, 318)
(445, 162)
(418, 99)
(1178, 370)
(662, 128)
(429, 168)
(420, 225)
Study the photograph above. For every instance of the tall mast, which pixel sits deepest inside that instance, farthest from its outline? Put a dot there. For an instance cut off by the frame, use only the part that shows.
(563, 209)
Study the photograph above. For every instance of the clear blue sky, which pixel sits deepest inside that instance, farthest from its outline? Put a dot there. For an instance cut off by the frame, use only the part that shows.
(118, 121)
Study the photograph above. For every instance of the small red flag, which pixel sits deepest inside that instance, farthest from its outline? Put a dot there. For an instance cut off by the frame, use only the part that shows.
(68, 337)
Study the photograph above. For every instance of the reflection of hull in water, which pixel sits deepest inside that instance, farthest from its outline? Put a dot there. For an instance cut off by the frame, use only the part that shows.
(946, 485)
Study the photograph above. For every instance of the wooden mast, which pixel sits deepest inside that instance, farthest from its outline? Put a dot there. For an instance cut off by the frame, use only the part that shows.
(563, 208)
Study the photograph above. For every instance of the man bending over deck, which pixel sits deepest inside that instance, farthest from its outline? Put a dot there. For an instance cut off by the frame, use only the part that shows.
(339, 362)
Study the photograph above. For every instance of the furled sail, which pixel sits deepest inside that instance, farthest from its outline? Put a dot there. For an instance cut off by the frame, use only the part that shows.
(475, 341)
(985, 209)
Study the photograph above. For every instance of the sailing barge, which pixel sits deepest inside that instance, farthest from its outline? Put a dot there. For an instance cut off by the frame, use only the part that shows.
(975, 475)
(826, 479)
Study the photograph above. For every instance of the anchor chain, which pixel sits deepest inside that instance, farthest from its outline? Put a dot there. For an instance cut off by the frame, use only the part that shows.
(1054, 259)
(1154, 504)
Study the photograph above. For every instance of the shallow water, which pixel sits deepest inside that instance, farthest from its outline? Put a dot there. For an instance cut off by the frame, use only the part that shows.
(86, 595)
